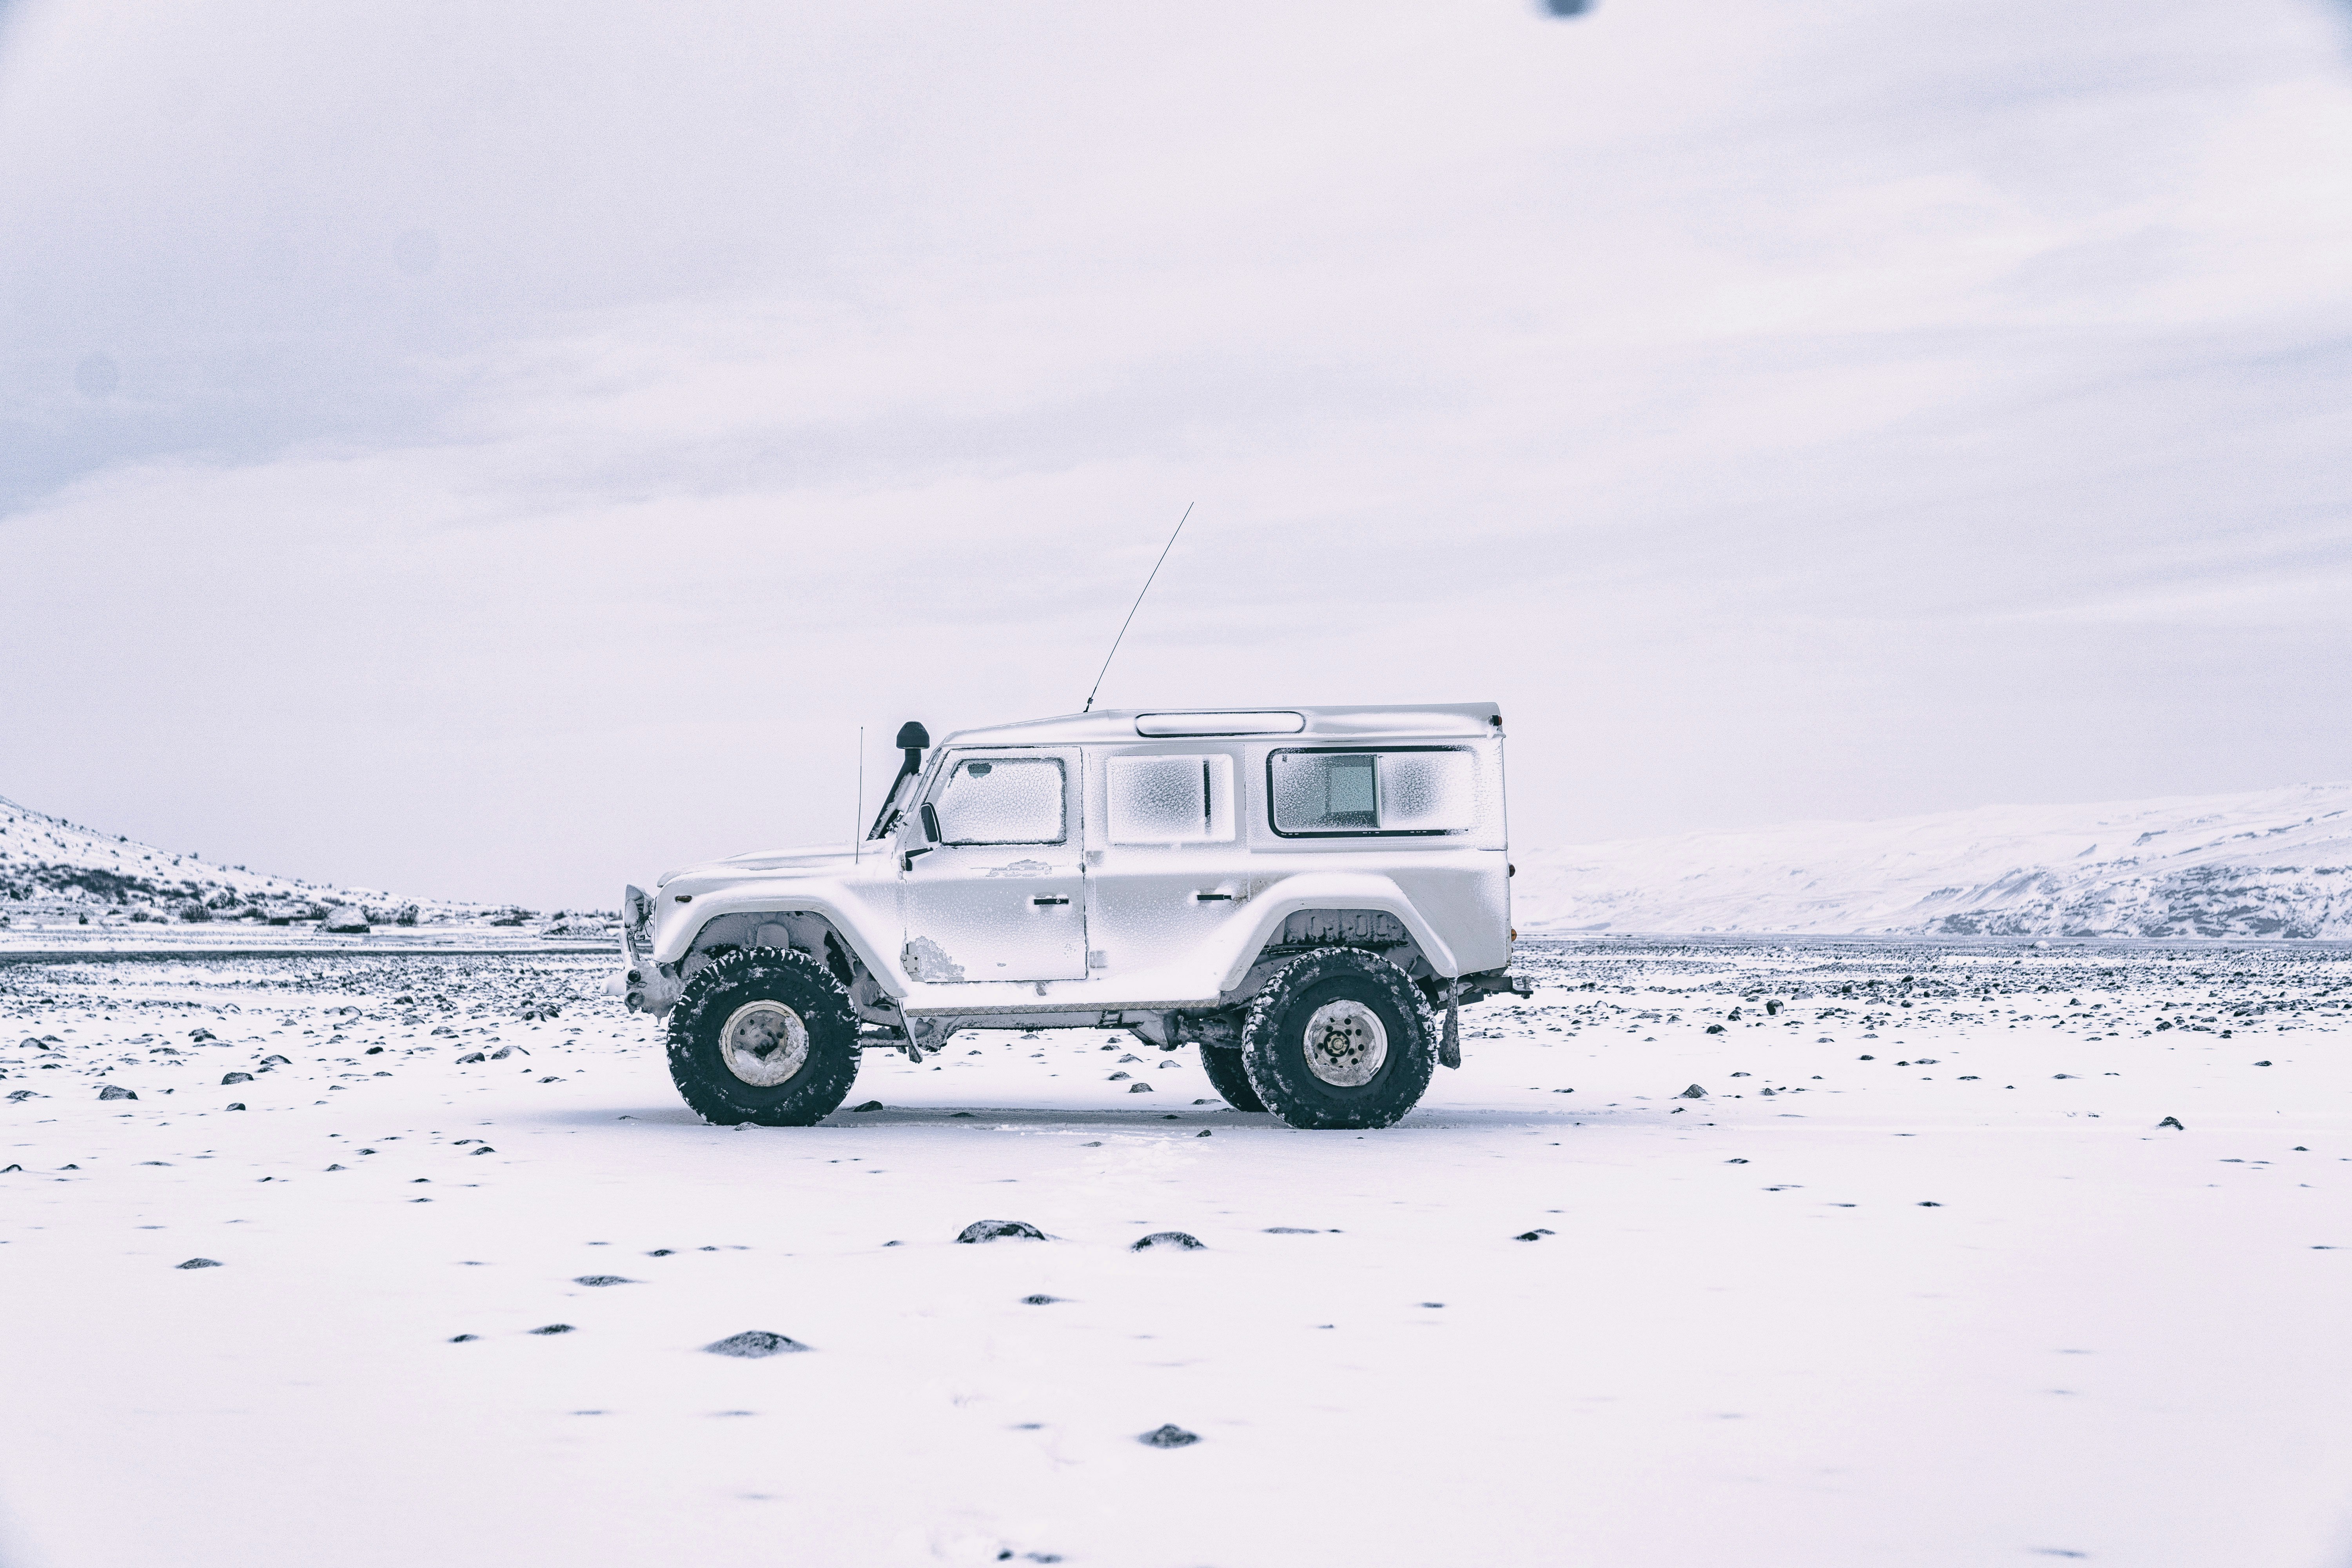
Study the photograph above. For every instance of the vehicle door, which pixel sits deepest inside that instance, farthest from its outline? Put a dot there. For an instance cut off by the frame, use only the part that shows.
(992, 883)
(1168, 867)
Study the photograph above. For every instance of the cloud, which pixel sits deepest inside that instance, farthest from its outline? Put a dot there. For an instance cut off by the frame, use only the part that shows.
(508, 397)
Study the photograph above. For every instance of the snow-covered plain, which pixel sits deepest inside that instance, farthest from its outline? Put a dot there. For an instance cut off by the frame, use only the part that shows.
(2266, 863)
(1920, 1284)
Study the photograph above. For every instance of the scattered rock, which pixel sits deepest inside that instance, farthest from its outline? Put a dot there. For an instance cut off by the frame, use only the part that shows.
(869, 1105)
(1693, 1092)
(554, 1329)
(484, 1149)
(462, 1339)
(277, 1062)
(1536, 1235)
(2173, 1123)
(2262, 1063)
(1203, 1132)
(339, 1167)
(1169, 1436)
(753, 1343)
(1138, 1088)
(234, 1105)
(602, 1280)
(199, 1263)
(115, 1092)
(345, 922)
(469, 1060)
(1176, 1239)
(237, 1078)
(1736, 1161)
(1291, 1230)
(16, 1094)
(1000, 1229)
(1039, 1300)
(1714, 1029)
(1929, 1204)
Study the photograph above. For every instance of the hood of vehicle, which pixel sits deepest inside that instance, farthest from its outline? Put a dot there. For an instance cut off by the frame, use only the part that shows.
(807, 860)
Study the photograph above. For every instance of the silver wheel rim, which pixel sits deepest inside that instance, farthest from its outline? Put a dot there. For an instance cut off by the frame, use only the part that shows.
(1346, 1044)
(764, 1044)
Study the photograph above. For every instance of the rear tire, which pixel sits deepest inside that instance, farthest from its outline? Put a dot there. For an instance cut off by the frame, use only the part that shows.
(1229, 1076)
(764, 1035)
(1340, 1038)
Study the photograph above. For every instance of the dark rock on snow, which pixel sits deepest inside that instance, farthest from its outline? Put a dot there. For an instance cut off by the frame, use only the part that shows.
(1176, 1239)
(1693, 1092)
(199, 1263)
(554, 1329)
(1169, 1436)
(998, 1229)
(753, 1343)
(602, 1280)
(237, 1078)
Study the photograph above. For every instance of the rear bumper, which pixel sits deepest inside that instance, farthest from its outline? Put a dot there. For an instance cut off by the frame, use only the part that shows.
(1495, 983)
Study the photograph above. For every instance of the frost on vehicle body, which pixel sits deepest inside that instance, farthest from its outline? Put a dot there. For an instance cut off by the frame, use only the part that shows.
(1166, 873)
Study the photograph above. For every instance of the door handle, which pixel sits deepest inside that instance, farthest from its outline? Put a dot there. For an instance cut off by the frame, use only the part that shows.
(1212, 898)
(1050, 899)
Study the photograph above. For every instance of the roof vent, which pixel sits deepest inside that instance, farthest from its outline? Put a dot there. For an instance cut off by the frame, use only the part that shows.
(1220, 723)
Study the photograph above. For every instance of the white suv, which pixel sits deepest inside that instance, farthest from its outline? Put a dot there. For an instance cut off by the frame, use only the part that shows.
(1306, 894)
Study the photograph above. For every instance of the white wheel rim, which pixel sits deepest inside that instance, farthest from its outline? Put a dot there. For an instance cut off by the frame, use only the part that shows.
(764, 1044)
(1346, 1044)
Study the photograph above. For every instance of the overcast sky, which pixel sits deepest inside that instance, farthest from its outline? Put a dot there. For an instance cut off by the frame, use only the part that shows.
(502, 451)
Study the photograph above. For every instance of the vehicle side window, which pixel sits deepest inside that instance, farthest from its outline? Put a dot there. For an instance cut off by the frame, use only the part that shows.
(1001, 800)
(1170, 800)
(1421, 789)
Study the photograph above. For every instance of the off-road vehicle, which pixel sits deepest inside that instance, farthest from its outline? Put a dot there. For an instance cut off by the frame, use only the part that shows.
(1309, 895)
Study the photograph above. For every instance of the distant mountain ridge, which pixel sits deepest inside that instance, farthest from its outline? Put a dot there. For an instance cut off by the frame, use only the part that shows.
(52, 871)
(2267, 863)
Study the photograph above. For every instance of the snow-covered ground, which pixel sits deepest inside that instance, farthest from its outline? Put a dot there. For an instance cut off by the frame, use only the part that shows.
(2269, 863)
(1921, 1284)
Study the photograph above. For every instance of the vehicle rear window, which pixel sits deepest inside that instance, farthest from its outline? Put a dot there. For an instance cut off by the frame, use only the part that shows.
(1331, 794)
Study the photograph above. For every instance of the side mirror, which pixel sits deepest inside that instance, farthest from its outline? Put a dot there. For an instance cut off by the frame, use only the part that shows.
(931, 822)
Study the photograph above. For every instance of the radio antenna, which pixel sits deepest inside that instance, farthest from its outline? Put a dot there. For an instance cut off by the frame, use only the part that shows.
(1137, 606)
(856, 832)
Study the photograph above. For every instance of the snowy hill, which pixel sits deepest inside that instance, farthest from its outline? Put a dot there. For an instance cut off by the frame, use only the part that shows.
(2270, 863)
(58, 877)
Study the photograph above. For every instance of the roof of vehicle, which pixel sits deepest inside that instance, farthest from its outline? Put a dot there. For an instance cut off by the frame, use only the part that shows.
(1418, 720)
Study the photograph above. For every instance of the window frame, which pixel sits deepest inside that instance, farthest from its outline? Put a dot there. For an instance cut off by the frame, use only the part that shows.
(1224, 788)
(954, 760)
(1281, 832)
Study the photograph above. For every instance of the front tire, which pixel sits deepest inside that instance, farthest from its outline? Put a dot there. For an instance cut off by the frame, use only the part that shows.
(764, 1035)
(1340, 1038)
